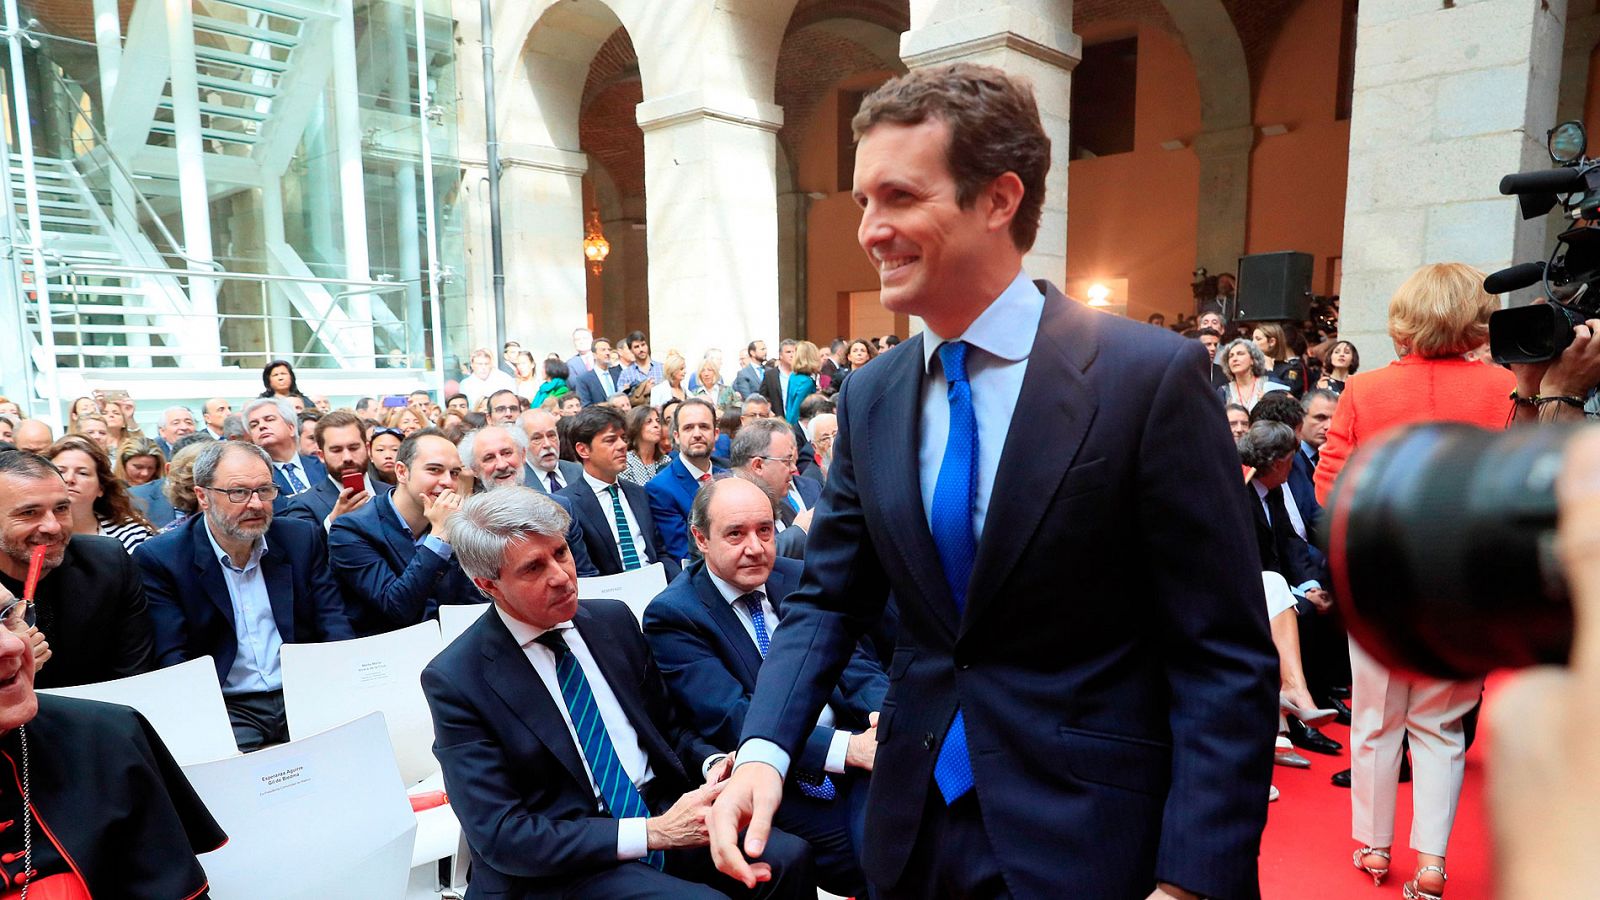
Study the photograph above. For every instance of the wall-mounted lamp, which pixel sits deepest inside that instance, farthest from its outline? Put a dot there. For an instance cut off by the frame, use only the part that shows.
(595, 246)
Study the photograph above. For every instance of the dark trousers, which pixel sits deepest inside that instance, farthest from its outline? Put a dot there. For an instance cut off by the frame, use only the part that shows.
(833, 828)
(1324, 653)
(691, 875)
(258, 719)
(952, 858)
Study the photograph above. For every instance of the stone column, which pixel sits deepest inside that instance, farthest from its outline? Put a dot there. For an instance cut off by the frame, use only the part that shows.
(711, 191)
(1224, 196)
(1447, 100)
(541, 220)
(1032, 39)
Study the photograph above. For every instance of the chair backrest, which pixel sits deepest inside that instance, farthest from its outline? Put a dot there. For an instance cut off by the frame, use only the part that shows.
(454, 618)
(636, 588)
(183, 703)
(331, 683)
(324, 816)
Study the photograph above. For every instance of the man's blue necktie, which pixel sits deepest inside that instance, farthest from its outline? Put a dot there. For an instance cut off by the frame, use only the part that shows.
(616, 788)
(953, 496)
(630, 553)
(810, 786)
(290, 472)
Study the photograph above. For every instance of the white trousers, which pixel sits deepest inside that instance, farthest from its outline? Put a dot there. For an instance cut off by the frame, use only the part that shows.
(1384, 707)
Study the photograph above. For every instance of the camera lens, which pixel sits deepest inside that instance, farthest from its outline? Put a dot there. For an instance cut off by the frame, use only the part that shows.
(1441, 540)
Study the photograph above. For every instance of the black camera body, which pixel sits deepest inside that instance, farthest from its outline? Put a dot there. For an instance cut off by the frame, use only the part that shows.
(1540, 332)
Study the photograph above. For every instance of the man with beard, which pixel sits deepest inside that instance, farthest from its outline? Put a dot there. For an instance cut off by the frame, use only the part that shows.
(393, 556)
(618, 531)
(344, 451)
(547, 471)
(671, 492)
(382, 446)
(92, 622)
(497, 456)
(236, 584)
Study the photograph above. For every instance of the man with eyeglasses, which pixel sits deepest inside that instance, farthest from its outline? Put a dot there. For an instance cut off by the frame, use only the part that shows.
(237, 584)
(764, 452)
(503, 407)
(90, 621)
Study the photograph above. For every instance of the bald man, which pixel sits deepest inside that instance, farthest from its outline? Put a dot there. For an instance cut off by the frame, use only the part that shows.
(33, 435)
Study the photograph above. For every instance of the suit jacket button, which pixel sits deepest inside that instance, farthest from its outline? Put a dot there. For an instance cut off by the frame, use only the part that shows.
(964, 666)
(927, 741)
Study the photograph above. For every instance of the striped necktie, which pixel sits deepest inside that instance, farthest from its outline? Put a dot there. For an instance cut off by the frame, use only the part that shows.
(630, 553)
(953, 496)
(815, 785)
(621, 798)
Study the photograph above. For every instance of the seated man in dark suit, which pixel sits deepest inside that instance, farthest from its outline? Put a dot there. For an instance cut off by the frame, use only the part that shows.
(671, 492)
(764, 451)
(234, 584)
(92, 623)
(546, 471)
(393, 556)
(709, 632)
(618, 530)
(344, 450)
(563, 755)
(497, 456)
(274, 426)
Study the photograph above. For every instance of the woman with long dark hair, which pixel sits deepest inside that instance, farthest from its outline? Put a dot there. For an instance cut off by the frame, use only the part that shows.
(279, 380)
(645, 458)
(1340, 362)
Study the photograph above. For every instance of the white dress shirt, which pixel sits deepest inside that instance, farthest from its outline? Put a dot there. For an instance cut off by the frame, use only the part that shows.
(632, 839)
(256, 665)
(1001, 338)
(602, 493)
(840, 743)
(694, 473)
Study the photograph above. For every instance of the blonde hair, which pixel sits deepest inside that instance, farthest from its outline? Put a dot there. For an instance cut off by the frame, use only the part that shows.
(1441, 310)
(807, 358)
(675, 365)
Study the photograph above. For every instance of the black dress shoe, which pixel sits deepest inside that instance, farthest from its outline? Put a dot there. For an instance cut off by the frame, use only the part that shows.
(1342, 693)
(1342, 779)
(1342, 707)
(1307, 738)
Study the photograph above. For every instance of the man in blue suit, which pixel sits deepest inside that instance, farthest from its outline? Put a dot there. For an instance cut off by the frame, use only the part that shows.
(393, 556)
(274, 426)
(595, 385)
(1083, 693)
(619, 533)
(708, 632)
(234, 584)
(344, 450)
(671, 492)
(572, 772)
(748, 380)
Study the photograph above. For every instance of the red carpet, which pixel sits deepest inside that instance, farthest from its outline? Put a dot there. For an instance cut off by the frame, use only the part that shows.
(1305, 852)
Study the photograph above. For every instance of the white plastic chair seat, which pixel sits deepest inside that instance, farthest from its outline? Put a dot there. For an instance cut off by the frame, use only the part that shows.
(455, 618)
(183, 703)
(636, 588)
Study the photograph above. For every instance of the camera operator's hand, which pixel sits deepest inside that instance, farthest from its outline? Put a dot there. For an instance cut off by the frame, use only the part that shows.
(1544, 784)
(1573, 373)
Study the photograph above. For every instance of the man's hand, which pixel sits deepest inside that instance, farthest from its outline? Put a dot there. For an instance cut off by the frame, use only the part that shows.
(1544, 788)
(1320, 599)
(41, 647)
(863, 747)
(802, 520)
(349, 500)
(684, 825)
(720, 770)
(1577, 369)
(1166, 891)
(438, 512)
(750, 798)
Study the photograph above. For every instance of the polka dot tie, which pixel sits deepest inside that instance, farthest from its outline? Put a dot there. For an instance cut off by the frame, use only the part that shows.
(953, 496)
(812, 784)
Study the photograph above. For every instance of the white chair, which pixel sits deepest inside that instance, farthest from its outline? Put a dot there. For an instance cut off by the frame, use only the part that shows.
(323, 816)
(183, 703)
(455, 618)
(636, 588)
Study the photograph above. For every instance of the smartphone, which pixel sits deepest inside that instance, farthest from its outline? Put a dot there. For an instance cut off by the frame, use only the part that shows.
(395, 401)
(116, 396)
(355, 481)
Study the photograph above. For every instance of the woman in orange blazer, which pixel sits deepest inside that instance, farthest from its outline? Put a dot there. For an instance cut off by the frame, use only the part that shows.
(1435, 318)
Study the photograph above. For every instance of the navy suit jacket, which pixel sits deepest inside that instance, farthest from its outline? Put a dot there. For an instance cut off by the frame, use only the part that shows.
(192, 613)
(589, 388)
(570, 471)
(388, 581)
(711, 663)
(316, 504)
(310, 467)
(1115, 678)
(595, 524)
(516, 776)
(671, 494)
(1302, 483)
(151, 499)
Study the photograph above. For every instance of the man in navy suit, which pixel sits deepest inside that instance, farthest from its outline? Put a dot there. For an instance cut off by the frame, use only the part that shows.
(708, 632)
(619, 533)
(671, 491)
(274, 426)
(567, 763)
(234, 584)
(344, 450)
(748, 380)
(546, 471)
(598, 383)
(393, 556)
(1083, 693)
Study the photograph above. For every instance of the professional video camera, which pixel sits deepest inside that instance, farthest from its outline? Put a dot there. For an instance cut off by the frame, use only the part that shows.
(1571, 278)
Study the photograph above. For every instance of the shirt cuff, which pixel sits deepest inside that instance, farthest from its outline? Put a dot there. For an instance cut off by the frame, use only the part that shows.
(1311, 585)
(440, 548)
(837, 748)
(633, 841)
(764, 751)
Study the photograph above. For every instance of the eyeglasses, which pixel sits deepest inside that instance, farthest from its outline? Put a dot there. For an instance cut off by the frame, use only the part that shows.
(19, 616)
(267, 493)
(504, 409)
(789, 461)
(380, 432)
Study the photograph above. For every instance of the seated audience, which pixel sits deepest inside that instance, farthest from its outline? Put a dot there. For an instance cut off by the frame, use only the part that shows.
(645, 434)
(709, 632)
(176, 422)
(100, 503)
(570, 769)
(497, 457)
(619, 533)
(235, 584)
(153, 498)
(343, 452)
(823, 429)
(671, 492)
(504, 407)
(90, 602)
(139, 461)
(547, 471)
(33, 435)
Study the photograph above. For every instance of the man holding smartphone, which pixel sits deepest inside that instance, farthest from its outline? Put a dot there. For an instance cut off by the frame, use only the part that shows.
(347, 487)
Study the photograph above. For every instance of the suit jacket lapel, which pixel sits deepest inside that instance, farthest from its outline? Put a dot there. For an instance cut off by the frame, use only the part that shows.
(728, 622)
(603, 646)
(892, 415)
(397, 536)
(586, 504)
(512, 677)
(1059, 405)
(276, 571)
(205, 559)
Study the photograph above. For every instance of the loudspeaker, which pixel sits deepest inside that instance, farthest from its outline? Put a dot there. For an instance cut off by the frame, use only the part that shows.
(1274, 286)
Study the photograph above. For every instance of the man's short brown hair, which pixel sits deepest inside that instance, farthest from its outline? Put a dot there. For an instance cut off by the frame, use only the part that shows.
(994, 129)
(337, 419)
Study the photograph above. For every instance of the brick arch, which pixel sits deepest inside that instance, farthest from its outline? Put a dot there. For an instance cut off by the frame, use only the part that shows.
(552, 64)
